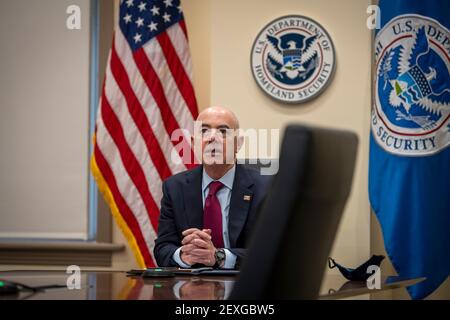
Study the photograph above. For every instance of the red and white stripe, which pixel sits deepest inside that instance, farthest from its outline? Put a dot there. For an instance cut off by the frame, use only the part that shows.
(147, 95)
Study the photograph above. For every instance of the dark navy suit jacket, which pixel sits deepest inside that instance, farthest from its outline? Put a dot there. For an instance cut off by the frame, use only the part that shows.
(182, 208)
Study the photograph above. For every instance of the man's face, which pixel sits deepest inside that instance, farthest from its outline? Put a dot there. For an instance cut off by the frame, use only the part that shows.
(216, 133)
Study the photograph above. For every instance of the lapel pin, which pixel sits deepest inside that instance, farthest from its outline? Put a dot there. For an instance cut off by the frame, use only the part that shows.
(247, 198)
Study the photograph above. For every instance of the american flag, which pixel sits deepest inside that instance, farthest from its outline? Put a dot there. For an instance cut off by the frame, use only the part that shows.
(147, 95)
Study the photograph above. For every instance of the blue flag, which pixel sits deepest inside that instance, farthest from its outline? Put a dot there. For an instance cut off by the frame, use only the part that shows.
(409, 169)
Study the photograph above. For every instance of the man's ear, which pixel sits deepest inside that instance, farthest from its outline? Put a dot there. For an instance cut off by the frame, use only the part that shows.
(239, 141)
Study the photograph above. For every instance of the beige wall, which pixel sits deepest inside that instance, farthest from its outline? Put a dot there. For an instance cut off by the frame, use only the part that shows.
(221, 38)
(44, 113)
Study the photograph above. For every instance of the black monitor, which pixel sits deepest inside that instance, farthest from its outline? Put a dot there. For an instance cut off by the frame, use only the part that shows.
(297, 223)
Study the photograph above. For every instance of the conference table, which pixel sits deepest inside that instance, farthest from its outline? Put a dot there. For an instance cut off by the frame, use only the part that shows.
(118, 285)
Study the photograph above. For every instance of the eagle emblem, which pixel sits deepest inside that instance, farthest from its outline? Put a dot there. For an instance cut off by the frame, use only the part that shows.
(419, 85)
(411, 110)
(292, 59)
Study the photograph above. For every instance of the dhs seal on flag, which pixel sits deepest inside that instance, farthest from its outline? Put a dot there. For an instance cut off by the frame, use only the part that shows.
(293, 59)
(411, 115)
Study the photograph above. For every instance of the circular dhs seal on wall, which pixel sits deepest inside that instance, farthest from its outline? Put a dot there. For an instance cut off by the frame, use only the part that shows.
(293, 59)
(412, 86)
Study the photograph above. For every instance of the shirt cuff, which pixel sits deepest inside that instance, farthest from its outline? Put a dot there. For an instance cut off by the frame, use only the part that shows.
(176, 256)
(230, 260)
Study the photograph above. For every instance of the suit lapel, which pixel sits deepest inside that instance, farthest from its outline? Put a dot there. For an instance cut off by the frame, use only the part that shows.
(193, 198)
(241, 198)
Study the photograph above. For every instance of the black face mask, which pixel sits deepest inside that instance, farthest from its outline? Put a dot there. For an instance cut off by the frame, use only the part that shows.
(360, 273)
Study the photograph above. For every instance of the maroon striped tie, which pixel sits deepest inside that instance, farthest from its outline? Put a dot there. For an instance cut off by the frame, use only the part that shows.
(212, 214)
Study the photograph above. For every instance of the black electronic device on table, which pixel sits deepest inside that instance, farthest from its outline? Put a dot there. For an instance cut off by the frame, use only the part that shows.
(8, 287)
(157, 273)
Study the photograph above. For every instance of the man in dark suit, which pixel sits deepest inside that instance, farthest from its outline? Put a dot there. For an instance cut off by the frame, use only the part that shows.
(207, 213)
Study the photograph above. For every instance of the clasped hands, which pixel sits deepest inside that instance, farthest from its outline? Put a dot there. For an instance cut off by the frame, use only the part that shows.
(197, 247)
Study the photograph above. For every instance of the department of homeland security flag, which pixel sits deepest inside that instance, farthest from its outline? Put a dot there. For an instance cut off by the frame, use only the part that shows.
(147, 101)
(409, 174)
